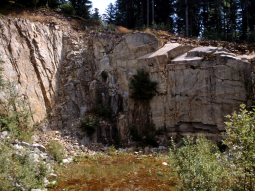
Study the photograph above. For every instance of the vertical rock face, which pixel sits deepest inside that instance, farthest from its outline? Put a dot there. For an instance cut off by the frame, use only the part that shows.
(31, 55)
(59, 71)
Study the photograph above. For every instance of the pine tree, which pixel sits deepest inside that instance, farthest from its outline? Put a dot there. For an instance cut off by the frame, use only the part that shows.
(110, 15)
(95, 15)
(82, 7)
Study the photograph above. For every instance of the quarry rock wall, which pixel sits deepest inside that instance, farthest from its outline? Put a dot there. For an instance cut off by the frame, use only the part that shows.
(59, 71)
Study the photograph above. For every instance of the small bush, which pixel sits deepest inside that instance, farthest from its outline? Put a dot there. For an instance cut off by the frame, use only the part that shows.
(57, 150)
(111, 27)
(68, 8)
(103, 109)
(89, 124)
(86, 156)
(143, 89)
(112, 151)
(19, 170)
(135, 134)
(104, 75)
(201, 166)
(15, 115)
(239, 137)
(150, 138)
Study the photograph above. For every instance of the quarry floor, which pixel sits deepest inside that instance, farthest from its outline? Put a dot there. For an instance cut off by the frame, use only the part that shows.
(119, 172)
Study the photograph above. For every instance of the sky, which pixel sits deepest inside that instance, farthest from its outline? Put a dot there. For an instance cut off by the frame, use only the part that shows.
(101, 4)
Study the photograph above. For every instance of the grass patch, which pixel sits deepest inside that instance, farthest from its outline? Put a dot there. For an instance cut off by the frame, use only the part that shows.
(57, 150)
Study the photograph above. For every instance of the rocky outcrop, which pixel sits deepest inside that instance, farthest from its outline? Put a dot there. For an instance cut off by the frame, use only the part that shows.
(59, 71)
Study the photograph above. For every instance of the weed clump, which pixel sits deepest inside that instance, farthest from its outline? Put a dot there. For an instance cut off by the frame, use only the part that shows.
(112, 151)
(57, 150)
(89, 124)
(143, 89)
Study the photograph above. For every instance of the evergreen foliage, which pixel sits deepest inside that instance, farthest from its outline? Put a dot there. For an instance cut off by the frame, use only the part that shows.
(89, 125)
(110, 14)
(103, 109)
(95, 15)
(68, 8)
(228, 20)
(143, 89)
(82, 7)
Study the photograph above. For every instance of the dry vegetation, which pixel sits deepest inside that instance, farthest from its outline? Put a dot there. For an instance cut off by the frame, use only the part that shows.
(123, 30)
(127, 172)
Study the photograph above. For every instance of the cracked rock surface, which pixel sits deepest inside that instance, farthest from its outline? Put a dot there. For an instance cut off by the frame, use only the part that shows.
(59, 71)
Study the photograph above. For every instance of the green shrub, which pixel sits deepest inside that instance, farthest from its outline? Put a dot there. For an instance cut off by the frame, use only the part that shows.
(86, 156)
(104, 75)
(89, 124)
(19, 168)
(135, 134)
(103, 109)
(240, 139)
(143, 89)
(111, 27)
(201, 166)
(67, 8)
(112, 151)
(150, 138)
(55, 149)
(15, 115)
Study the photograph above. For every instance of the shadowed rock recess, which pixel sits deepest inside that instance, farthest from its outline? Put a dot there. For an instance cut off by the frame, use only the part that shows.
(59, 71)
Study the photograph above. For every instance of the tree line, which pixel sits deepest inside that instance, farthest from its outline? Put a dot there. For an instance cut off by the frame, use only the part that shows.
(229, 20)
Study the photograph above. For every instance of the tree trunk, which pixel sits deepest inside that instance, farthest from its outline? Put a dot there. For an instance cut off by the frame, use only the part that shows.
(127, 15)
(153, 12)
(148, 13)
(187, 17)
(142, 12)
(232, 33)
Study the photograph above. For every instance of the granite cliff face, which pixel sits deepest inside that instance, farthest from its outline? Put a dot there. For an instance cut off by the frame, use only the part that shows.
(59, 71)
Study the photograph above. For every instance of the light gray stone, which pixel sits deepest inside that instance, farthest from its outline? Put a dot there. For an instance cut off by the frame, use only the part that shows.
(52, 177)
(38, 146)
(25, 144)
